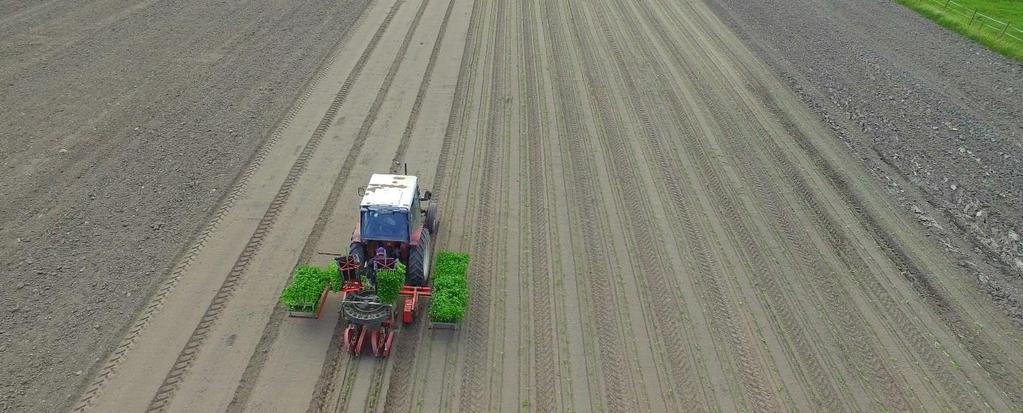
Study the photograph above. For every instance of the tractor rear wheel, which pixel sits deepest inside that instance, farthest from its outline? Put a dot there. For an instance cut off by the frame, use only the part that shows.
(418, 271)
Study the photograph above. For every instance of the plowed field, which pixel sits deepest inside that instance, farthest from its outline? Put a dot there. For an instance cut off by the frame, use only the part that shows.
(656, 224)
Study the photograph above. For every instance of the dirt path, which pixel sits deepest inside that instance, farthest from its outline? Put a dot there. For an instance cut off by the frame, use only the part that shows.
(655, 221)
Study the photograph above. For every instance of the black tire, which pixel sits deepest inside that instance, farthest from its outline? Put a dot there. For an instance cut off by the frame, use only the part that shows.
(418, 271)
(431, 218)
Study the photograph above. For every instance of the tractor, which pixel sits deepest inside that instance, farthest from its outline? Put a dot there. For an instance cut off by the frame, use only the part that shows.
(394, 227)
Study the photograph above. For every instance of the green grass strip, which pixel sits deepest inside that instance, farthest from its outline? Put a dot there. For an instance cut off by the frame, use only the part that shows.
(975, 19)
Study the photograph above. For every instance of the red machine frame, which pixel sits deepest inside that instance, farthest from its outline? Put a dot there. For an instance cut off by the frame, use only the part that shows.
(382, 338)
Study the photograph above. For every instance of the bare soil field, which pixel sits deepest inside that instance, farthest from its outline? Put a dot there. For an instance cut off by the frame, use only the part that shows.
(936, 117)
(122, 126)
(657, 223)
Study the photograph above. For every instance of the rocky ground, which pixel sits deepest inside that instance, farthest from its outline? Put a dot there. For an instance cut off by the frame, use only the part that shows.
(923, 106)
(121, 126)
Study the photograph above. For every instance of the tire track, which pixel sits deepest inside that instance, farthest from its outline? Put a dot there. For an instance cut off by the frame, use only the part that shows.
(859, 268)
(658, 151)
(834, 299)
(399, 386)
(332, 363)
(903, 325)
(884, 380)
(670, 167)
(314, 239)
(751, 376)
(226, 204)
(538, 267)
(459, 108)
(417, 106)
(317, 232)
(980, 348)
(773, 291)
(191, 350)
(349, 164)
(504, 386)
(375, 387)
(484, 248)
(900, 324)
(572, 381)
(455, 135)
(617, 388)
(347, 380)
(670, 326)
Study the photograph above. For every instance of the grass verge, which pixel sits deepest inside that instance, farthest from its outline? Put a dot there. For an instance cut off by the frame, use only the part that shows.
(983, 21)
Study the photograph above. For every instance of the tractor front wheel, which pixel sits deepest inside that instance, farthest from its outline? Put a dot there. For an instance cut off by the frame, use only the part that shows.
(418, 271)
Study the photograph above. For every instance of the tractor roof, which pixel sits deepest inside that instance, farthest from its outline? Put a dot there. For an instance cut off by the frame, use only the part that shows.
(394, 191)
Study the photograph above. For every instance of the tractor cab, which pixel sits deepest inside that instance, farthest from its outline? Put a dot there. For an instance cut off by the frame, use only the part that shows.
(390, 208)
(394, 227)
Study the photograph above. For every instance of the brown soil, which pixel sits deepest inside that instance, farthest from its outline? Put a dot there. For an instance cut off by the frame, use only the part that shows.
(656, 221)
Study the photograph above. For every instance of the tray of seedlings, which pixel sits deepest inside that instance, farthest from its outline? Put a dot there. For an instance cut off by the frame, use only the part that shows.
(450, 293)
(307, 292)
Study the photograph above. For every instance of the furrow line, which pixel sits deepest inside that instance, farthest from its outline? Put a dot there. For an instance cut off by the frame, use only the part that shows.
(902, 326)
(500, 384)
(185, 260)
(670, 326)
(363, 135)
(459, 108)
(538, 269)
(752, 376)
(406, 136)
(313, 240)
(618, 395)
(375, 387)
(777, 300)
(347, 382)
(399, 387)
(899, 258)
(331, 365)
(189, 353)
(839, 302)
(405, 354)
(484, 247)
